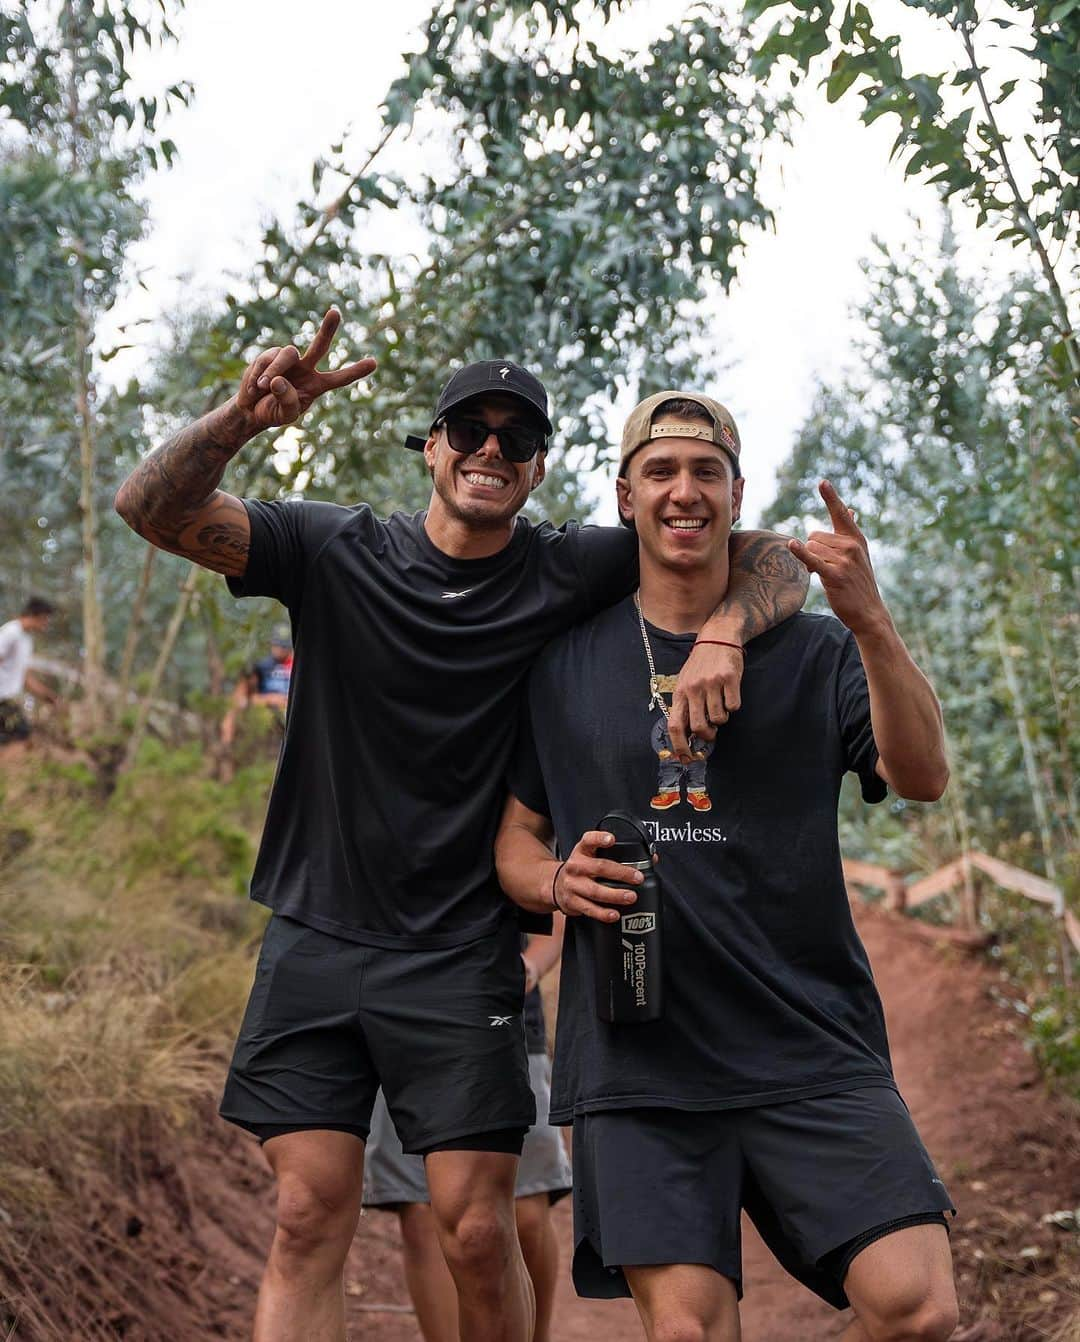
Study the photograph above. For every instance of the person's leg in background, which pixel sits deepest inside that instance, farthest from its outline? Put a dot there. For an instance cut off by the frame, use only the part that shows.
(540, 1250)
(430, 1285)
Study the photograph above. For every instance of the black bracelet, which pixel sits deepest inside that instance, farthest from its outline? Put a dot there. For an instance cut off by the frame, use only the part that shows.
(554, 878)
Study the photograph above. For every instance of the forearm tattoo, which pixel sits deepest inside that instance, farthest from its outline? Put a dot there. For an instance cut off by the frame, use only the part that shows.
(768, 584)
(171, 499)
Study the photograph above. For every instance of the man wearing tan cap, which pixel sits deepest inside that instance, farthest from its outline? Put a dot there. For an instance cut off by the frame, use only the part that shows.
(766, 1085)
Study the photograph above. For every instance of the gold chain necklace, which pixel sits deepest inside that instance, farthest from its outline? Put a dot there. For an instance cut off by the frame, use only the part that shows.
(655, 697)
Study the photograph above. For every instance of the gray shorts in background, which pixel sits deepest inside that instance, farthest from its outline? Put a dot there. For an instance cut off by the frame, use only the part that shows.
(391, 1177)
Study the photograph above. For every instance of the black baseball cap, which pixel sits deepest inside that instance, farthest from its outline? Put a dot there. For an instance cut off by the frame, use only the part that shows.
(486, 378)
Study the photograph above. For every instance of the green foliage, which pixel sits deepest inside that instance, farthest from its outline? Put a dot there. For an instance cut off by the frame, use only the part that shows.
(1055, 1036)
(75, 141)
(961, 465)
(583, 203)
(950, 125)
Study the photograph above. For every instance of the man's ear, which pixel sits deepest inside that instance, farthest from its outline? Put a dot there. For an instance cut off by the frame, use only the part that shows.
(539, 470)
(736, 498)
(429, 451)
(623, 497)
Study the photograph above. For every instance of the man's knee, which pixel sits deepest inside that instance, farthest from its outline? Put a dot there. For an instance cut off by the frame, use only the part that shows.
(314, 1217)
(479, 1240)
(913, 1317)
(675, 1326)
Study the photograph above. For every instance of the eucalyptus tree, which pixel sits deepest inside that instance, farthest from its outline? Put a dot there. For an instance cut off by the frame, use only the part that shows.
(1006, 143)
(574, 200)
(74, 141)
(959, 458)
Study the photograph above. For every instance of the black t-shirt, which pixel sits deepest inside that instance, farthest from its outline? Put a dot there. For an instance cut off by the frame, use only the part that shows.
(403, 704)
(768, 989)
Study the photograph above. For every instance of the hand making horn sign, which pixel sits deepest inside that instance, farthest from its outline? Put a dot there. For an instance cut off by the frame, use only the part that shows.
(281, 383)
(841, 559)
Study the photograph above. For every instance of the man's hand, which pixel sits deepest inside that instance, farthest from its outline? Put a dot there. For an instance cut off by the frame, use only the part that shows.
(841, 559)
(577, 890)
(705, 696)
(282, 383)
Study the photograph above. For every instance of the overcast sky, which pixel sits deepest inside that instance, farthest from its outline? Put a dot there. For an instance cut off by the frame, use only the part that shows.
(276, 83)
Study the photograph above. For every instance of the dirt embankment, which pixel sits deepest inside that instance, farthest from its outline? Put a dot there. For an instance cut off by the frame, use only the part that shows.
(1009, 1153)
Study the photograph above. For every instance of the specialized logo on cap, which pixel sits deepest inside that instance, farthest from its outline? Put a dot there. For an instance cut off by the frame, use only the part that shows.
(504, 372)
(728, 439)
(638, 922)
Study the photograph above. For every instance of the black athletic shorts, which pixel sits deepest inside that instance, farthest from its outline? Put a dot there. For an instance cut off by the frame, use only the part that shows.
(820, 1179)
(329, 1021)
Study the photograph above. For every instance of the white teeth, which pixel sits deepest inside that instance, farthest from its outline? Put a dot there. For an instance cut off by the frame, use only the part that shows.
(490, 481)
(685, 523)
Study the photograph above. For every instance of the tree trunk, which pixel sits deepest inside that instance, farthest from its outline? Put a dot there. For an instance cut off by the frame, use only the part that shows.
(92, 626)
(1038, 799)
(1027, 749)
(138, 732)
(134, 629)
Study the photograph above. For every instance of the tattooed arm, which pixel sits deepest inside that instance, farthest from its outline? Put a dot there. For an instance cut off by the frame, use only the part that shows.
(767, 584)
(172, 497)
(172, 500)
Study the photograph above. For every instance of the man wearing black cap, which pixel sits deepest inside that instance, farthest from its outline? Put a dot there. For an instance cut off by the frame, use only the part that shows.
(390, 957)
(766, 1084)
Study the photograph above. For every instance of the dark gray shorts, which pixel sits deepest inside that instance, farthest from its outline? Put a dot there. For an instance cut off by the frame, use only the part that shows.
(655, 1186)
(392, 1178)
(329, 1021)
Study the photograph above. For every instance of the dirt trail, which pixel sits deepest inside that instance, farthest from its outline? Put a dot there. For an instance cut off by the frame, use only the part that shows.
(1009, 1154)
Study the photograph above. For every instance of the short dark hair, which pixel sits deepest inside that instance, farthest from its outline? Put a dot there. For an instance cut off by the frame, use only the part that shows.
(37, 605)
(679, 408)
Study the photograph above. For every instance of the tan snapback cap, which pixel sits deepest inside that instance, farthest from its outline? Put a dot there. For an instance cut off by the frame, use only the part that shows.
(641, 429)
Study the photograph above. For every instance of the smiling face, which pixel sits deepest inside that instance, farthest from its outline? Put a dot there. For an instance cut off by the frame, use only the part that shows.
(682, 498)
(482, 489)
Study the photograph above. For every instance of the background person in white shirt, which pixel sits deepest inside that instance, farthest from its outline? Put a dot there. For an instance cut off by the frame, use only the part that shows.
(16, 678)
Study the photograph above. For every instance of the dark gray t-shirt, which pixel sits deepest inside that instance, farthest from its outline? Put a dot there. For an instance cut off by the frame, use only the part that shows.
(404, 699)
(768, 990)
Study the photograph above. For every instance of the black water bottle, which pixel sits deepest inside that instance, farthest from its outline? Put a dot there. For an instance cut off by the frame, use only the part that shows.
(629, 953)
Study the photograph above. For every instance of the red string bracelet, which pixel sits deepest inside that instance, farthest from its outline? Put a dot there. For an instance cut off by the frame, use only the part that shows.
(720, 643)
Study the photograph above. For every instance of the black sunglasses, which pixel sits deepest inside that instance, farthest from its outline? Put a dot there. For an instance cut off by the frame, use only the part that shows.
(516, 442)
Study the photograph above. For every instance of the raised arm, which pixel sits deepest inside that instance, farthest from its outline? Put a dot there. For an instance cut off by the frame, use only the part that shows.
(904, 711)
(172, 498)
(767, 584)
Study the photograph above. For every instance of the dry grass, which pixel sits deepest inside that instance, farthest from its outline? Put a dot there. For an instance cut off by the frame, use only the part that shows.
(125, 958)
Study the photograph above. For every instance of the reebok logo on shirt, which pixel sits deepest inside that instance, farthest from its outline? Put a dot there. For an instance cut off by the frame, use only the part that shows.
(500, 1020)
(449, 596)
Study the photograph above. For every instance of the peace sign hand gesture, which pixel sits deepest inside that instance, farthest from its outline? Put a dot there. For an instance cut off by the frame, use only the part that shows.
(841, 559)
(281, 383)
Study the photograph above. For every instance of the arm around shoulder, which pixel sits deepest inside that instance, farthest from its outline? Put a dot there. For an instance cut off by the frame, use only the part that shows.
(767, 584)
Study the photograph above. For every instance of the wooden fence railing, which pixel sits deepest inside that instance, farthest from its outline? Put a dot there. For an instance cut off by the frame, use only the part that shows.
(967, 875)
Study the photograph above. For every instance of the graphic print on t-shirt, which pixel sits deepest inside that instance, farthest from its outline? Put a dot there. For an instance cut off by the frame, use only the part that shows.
(672, 774)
